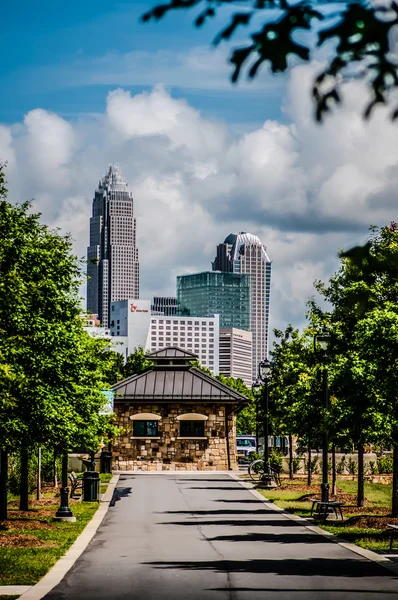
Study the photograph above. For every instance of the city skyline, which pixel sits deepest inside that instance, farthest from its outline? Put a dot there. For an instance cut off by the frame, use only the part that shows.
(245, 253)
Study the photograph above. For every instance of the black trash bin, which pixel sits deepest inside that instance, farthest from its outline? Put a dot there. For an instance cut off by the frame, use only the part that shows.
(106, 462)
(90, 486)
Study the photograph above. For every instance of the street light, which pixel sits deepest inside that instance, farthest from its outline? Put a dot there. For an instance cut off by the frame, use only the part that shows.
(323, 340)
(264, 375)
(255, 388)
(64, 513)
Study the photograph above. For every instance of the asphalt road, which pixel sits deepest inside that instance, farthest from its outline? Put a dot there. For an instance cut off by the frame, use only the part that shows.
(204, 537)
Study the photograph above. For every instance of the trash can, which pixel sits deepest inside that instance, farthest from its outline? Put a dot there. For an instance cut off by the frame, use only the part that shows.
(90, 486)
(106, 462)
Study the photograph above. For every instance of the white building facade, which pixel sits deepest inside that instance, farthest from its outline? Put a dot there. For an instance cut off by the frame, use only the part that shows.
(132, 324)
(236, 354)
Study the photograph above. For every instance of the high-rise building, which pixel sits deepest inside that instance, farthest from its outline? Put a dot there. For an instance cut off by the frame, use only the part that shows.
(164, 305)
(113, 267)
(211, 292)
(236, 354)
(244, 253)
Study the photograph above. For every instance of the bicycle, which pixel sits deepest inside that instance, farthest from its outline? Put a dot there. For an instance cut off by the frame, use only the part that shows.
(257, 471)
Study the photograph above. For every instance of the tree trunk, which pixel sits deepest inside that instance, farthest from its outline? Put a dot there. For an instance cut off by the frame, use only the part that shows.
(55, 474)
(24, 486)
(334, 476)
(3, 484)
(361, 478)
(38, 486)
(309, 474)
(394, 508)
(291, 475)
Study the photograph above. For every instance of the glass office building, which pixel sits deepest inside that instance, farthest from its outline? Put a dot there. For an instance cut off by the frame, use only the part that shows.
(213, 292)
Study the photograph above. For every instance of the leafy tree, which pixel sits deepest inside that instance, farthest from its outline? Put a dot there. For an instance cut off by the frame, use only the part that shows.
(363, 32)
(137, 362)
(364, 320)
(50, 376)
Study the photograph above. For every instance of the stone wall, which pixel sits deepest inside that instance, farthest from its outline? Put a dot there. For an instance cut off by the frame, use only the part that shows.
(168, 452)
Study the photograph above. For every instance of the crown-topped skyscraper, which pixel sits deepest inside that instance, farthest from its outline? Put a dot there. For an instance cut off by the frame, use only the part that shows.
(113, 267)
(244, 253)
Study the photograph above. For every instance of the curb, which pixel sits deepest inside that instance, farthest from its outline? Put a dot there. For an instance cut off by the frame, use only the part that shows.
(66, 562)
(368, 554)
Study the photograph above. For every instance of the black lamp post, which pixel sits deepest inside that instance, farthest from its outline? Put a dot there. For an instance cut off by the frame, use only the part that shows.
(323, 340)
(264, 376)
(64, 513)
(255, 387)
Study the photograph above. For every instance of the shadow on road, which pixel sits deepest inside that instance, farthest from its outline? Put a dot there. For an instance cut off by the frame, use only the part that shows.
(118, 494)
(260, 511)
(237, 523)
(311, 567)
(321, 591)
(284, 538)
(241, 501)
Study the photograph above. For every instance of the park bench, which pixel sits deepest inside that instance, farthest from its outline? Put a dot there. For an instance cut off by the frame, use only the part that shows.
(394, 529)
(322, 508)
(75, 482)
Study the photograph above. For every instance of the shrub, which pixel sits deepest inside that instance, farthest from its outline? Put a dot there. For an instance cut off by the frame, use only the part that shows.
(276, 461)
(341, 465)
(372, 467)
(385, 464)
(296, 463)
(352, 466)
(315, 465)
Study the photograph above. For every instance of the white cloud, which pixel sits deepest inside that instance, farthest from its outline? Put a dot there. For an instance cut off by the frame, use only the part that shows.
(306, 190)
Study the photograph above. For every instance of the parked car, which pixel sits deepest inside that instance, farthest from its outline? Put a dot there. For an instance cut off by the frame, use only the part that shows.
(245, 446)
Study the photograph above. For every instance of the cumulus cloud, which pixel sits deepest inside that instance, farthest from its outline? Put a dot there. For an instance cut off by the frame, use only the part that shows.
(306, 190)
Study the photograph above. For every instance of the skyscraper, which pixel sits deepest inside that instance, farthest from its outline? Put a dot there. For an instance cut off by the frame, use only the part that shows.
(113, 268)
(244, 253)
(211, 293)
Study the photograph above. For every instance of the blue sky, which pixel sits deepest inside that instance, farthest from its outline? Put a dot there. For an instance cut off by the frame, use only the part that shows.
(66, 56)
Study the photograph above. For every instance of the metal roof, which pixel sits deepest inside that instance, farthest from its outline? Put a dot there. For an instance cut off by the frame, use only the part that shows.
(172, 352)
(175, 385)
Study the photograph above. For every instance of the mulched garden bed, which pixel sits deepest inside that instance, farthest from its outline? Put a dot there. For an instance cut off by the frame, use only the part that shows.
(23, 540)
(371, 522)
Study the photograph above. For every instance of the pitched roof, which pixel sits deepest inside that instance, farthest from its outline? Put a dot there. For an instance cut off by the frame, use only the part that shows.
(172, 352)
(176, 385)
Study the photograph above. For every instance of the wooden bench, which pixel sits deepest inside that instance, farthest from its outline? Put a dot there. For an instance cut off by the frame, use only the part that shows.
(75, 483)
(321, 508)
(393, 528)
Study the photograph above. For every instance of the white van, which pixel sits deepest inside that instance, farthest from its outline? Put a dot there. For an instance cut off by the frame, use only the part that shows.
(245, 446)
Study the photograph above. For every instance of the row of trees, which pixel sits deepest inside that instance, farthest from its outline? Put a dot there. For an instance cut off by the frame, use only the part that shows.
(361, 361)
(51, 372)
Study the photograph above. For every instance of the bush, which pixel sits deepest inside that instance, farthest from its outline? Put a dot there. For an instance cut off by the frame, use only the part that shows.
(372, 467)
(385, 464)
(14, 470)
(296, 463)
(341, 465)
(276, 461)
(352, 466)
(315, 464)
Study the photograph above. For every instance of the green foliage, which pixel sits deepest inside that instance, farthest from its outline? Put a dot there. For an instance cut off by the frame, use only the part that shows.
(341, 465)
(352, 466)
(315, 465)
(136, 363)
(372, 467)
(363, 32)
(276, 461)
(297, 460)
(385, 464)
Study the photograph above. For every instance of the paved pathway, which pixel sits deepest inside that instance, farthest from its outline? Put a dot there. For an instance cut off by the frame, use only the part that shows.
(204, 537)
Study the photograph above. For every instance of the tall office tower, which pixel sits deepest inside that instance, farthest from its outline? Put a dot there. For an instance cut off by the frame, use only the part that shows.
(113, 268)
(163, 305)
(236, 354)
(244, 253)
(210, 293)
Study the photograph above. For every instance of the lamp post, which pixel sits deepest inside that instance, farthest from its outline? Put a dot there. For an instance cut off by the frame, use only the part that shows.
(323, 340)
(264, 376)
(64, 513)
(255, 387)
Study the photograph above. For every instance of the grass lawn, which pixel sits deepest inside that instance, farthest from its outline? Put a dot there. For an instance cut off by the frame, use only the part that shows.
(31, 542)
(365, 526)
